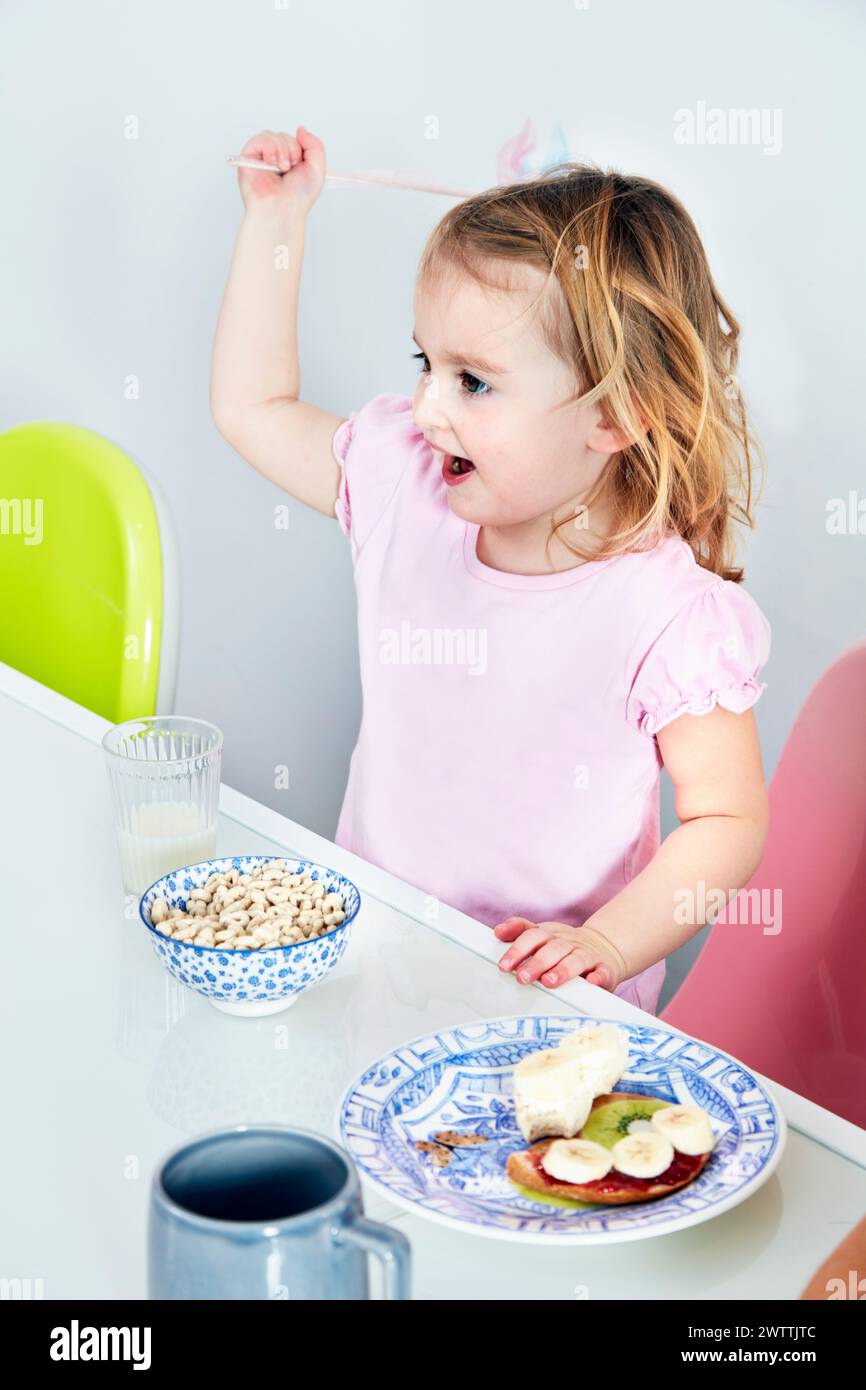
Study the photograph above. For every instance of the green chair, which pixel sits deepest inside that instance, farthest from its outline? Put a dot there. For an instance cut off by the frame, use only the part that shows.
(89, 596)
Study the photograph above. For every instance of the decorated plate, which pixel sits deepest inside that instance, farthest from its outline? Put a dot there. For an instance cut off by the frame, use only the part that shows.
(459, 1083)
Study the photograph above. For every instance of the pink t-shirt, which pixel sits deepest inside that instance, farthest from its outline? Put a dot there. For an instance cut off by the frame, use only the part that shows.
(506, 762)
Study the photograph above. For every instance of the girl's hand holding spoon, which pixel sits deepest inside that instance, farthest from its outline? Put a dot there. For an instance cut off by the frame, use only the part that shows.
(300, 160)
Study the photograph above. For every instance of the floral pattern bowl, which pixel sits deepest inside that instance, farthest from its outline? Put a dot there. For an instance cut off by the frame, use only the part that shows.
(249, 983)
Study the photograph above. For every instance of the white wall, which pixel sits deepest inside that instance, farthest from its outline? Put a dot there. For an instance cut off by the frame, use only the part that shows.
(116, 252)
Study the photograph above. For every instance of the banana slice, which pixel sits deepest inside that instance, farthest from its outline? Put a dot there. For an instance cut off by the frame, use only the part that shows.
(550, 1095)
(687, 1127)
(547, 1075)
(643, 1155)
(576, 1160)
(602, 1051)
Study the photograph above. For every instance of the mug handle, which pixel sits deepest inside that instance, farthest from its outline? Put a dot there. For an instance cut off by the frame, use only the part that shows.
(390, 1246)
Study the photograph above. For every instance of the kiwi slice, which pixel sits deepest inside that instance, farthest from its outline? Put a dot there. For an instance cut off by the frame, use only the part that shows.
(552, 1199)
(609, 1123)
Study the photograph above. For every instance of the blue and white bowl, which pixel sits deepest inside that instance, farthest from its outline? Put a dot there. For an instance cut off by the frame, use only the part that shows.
(249, 983)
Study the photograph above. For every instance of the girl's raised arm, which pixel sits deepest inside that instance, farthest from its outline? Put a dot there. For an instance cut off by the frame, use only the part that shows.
(255, 376)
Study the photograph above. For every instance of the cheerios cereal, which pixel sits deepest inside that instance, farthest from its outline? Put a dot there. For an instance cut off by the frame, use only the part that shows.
(272, 906)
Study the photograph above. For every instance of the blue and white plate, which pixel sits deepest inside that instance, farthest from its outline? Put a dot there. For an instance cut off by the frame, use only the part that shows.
(461, 1079)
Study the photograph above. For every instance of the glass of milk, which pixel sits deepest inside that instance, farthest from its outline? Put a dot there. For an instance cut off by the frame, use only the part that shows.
(164, 775)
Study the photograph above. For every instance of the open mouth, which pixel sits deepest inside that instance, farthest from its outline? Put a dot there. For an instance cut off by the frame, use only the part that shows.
(459, 465)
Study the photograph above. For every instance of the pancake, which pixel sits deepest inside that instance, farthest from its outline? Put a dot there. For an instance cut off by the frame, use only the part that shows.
(615, 1188)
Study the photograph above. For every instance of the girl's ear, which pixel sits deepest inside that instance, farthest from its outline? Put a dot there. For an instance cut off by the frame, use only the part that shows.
(607, 438)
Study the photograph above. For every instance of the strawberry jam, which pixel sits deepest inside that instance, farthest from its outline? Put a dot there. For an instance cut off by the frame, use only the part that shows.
(683, 1167)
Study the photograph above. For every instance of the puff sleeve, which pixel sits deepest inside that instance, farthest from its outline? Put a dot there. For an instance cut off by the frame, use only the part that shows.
(371, 449)
(709, 654)
(340, 447)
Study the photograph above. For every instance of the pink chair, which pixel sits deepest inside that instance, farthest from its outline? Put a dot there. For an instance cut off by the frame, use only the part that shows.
(792, 1002)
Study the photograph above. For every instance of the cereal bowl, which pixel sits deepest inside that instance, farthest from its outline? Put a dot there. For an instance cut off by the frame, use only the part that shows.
(249, 982)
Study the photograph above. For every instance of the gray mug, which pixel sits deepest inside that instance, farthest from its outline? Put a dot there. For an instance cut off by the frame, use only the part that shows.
(265, 1212)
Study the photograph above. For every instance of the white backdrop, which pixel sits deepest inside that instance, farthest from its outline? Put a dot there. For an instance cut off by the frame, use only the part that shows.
(116, 251)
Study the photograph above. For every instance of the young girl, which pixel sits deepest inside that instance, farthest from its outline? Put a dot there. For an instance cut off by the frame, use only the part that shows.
(547, 611)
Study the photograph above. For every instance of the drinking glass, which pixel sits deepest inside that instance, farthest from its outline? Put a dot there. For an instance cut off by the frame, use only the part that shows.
(164, 775)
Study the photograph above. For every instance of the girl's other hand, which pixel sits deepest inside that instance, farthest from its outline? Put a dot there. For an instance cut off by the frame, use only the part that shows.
(554, 952)
(301, 157)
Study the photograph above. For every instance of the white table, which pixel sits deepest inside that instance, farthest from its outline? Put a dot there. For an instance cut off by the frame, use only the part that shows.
(109, 1063)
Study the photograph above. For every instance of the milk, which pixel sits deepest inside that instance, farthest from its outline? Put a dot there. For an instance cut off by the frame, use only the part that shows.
(163, 835)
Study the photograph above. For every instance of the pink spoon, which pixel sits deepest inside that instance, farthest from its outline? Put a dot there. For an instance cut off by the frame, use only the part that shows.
(387, 178)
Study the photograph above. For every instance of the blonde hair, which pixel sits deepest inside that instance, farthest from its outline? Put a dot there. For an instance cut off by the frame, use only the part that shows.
(630, 304)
